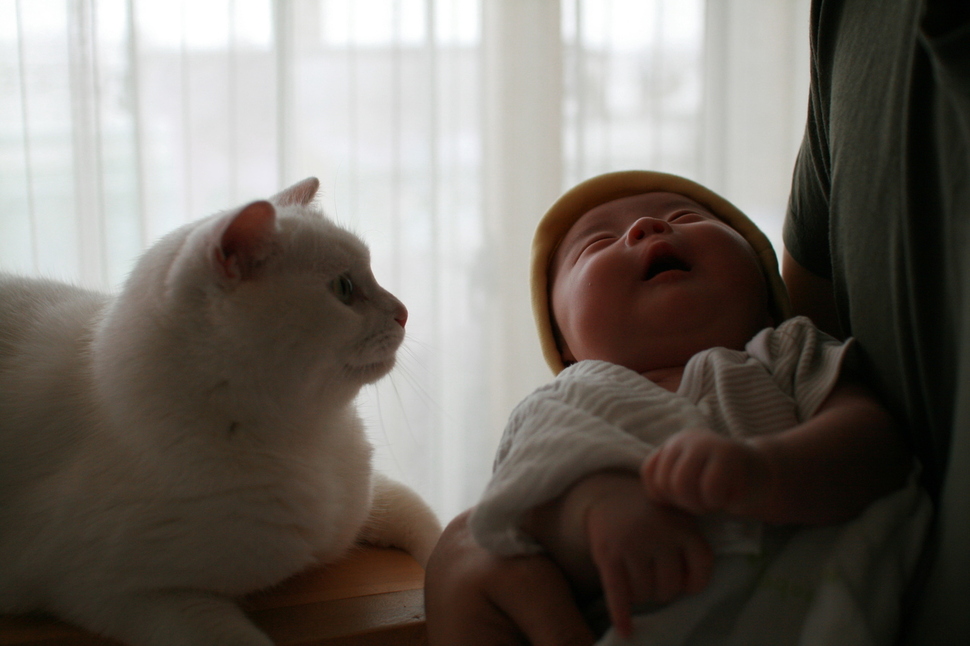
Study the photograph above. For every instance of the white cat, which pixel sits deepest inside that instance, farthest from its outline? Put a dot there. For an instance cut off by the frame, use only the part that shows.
(195, 438)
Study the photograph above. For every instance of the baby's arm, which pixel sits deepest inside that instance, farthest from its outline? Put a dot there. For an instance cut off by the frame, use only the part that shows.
(606, 535)
(825, 470)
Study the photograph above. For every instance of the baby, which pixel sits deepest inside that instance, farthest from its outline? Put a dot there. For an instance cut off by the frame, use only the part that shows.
(692, 411)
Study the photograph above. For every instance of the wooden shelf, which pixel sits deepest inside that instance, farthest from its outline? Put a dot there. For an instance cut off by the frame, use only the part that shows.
(372, 597)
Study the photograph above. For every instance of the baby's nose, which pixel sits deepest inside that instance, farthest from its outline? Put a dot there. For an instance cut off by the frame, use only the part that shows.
(646, 227)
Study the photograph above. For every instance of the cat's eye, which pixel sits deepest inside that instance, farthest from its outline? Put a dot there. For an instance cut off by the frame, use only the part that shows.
(342, 288)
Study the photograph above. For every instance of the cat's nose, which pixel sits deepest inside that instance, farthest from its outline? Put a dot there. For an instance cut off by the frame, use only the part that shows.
(401, 315)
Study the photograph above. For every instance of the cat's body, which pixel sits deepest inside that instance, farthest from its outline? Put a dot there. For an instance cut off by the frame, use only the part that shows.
(195, 438)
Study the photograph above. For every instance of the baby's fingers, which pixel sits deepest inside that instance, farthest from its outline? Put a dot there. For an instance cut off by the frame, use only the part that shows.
(673, 476)
(670, 578)
(655, 472)
(619, 596)
(698, 562)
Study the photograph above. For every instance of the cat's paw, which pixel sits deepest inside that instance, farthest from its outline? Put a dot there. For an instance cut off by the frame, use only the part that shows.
(400, 518)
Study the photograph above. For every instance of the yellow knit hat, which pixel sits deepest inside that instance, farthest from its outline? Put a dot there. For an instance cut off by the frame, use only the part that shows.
(601, 189)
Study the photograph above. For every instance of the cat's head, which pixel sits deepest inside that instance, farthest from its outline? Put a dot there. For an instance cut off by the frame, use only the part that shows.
(271, 301)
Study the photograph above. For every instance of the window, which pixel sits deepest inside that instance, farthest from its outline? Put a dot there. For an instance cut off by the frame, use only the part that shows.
(440, 131)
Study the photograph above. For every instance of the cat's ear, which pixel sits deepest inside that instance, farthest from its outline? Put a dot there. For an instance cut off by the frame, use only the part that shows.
(245, 240)
(301, 193)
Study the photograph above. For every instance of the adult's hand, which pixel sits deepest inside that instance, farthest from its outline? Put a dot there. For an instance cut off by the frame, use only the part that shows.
(475, 597)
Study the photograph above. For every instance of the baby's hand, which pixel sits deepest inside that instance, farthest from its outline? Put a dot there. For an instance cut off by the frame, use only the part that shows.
(643, 551)
(702, 472)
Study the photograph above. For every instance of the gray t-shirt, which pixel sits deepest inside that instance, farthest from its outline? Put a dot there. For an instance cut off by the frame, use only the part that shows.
(880, 203)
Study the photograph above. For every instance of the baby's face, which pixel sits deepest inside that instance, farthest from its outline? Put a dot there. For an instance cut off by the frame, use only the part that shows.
(648, 281)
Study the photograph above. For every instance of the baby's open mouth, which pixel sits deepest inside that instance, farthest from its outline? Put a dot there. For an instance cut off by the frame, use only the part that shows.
(664, 264)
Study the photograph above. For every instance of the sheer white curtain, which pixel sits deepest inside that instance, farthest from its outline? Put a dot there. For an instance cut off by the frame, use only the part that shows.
(440, 131)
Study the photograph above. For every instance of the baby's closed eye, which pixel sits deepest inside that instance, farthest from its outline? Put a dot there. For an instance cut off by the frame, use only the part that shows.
(598, 242)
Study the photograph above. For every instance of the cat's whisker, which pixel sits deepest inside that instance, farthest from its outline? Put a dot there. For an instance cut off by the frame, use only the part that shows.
(388, 444)
(407, 422)
(414, 341)
(405, 371)
(408, 361)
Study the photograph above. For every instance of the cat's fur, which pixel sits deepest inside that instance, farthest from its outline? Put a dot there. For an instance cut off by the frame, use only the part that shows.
(194, 438)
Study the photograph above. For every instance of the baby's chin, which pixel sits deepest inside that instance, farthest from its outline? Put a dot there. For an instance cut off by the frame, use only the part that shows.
(640, 366)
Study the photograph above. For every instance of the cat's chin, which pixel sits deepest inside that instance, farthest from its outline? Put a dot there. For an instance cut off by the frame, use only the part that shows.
(370, 372)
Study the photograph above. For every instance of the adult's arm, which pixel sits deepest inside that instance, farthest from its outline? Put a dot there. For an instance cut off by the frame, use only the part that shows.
(829, 468)
(811, 296)
(473, 597)
(823, 471)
